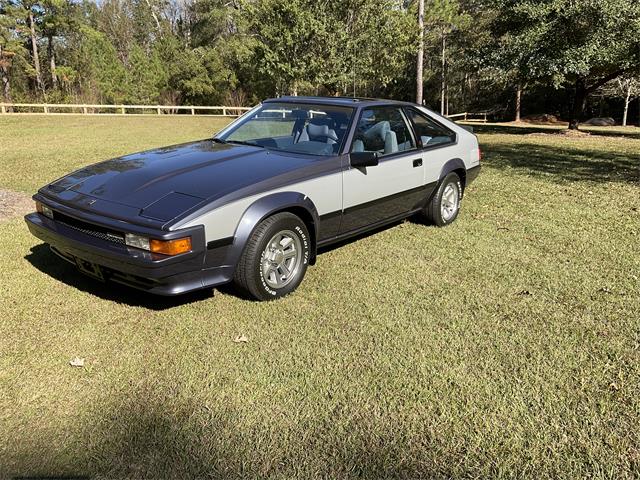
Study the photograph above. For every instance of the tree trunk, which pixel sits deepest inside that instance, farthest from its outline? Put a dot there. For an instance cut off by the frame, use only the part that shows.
(154, 16)
(446, 101)
(34, 48)
(4, 75)
(52, 63)
(579, 104)
(463, 92)
(518, 101)
(627, 99)
(420, 66)
(443, 86)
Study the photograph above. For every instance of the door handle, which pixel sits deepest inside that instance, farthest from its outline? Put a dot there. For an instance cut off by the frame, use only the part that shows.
(417, 163)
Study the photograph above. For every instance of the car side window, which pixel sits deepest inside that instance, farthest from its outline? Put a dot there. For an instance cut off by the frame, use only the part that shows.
(430, 132)
(383, 130)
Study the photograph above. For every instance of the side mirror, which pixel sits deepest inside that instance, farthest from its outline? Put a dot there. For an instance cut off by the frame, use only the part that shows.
(363, 159)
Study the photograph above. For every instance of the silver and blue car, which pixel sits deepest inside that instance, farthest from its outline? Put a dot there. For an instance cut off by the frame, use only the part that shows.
(253, 204)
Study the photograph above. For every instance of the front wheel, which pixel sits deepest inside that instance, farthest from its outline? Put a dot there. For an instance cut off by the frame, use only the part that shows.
(445, 204)
(275, 258)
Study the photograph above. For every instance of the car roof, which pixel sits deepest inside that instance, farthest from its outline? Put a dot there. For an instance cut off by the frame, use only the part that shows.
(341, 101)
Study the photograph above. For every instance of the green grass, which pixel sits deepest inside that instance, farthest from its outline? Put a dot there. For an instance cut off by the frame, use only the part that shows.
(507, 345)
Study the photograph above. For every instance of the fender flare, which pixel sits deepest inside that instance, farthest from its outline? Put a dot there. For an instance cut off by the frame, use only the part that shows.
(450, 166)
(265, 207)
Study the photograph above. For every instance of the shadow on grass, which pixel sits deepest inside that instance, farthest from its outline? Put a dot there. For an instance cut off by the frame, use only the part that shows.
(153, 432)
(42, 258)
(526, 129)
(52, 478)
(565, 163)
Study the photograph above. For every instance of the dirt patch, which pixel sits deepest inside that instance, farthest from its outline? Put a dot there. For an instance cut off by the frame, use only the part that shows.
(562, 133)
(600, 122)
(541, 118)
(14, 204)
(574, 133)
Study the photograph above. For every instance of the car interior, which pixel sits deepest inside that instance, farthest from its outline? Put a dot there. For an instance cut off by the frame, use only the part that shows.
(320, 131)
(313, 131)
(382, 130)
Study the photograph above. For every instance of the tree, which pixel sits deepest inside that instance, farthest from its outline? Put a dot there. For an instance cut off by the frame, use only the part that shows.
(10, 48)
(420, 65)
(288, 51)
(446, 16)
(626, 87)
(59, 17)
(26, 14)
(585, 44)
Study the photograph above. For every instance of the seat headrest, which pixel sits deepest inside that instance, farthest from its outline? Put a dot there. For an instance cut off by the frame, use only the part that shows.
(317, 130)
(378, 131)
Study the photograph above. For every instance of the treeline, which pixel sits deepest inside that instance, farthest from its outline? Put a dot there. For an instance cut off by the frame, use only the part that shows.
(565, 57)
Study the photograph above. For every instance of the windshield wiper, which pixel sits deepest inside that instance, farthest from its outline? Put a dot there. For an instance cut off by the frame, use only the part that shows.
(218, 140)
(241, 142)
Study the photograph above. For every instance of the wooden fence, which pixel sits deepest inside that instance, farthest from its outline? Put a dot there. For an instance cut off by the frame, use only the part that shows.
(86, 109)
(216, 111)
(470, 117)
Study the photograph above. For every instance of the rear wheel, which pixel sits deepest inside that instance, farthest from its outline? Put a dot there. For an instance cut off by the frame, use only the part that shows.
(275, 258)
(444, 207)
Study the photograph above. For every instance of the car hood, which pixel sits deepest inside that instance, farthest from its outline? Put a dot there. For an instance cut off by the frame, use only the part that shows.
(165, 182)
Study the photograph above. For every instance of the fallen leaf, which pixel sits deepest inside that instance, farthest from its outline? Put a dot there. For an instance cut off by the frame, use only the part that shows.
(524, 292)
(76, 362)
(241, 339)
(614, 387)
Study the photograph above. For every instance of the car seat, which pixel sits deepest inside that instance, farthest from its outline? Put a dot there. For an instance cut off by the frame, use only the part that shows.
(381, 131)
(318, 133)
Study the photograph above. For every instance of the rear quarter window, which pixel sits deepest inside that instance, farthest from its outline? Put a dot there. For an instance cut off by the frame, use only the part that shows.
(429, 132)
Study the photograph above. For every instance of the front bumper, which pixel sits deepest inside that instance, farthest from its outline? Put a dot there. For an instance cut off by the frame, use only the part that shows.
(158, 274)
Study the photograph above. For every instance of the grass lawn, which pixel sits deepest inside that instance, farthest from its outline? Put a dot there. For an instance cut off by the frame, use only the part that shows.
(507, 345)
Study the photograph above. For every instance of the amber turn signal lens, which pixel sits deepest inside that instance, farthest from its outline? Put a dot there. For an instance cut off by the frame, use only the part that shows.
(44, 210)
(170, 247)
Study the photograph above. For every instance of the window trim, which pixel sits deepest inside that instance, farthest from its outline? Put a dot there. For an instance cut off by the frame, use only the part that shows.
(405, 117)
(415, 132)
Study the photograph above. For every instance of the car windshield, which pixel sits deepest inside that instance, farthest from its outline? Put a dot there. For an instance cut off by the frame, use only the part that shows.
(293, 127)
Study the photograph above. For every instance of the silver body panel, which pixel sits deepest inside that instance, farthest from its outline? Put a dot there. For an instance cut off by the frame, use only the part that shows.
(352, 187)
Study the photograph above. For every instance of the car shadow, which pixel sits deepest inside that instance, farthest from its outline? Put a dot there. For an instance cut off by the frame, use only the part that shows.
(42, 258)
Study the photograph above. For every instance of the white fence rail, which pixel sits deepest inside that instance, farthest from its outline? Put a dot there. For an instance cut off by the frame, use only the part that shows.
(87, 109)
(470, 117)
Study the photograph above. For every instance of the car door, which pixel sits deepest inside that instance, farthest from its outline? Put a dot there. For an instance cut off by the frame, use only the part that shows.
(436, 144)
(394, 186)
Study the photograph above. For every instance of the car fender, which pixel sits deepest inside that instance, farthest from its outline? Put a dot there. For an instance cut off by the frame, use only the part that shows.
(450, 166)
(265, 207)
(447, 168)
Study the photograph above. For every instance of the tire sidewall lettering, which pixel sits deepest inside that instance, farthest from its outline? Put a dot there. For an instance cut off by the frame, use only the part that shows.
(305, 244)
(305, 260)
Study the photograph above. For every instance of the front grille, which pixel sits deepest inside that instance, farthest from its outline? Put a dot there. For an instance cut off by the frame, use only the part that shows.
(89, 228)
